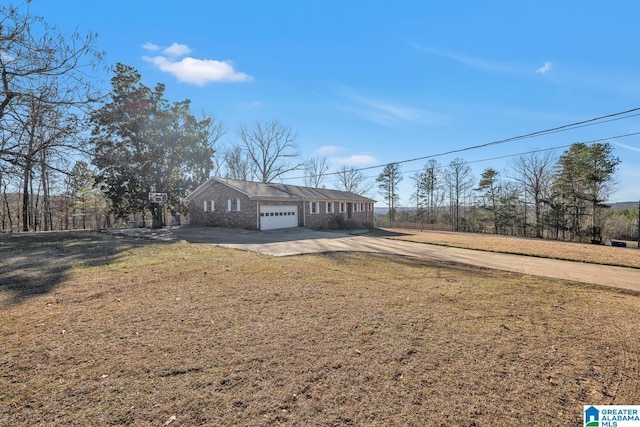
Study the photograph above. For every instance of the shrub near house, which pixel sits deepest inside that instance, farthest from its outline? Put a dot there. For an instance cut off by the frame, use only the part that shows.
(222, 202)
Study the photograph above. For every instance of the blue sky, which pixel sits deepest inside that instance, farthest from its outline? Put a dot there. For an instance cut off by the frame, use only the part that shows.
(368, 83)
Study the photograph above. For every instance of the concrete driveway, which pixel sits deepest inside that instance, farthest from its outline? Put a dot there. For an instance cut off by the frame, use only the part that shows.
(295, 241)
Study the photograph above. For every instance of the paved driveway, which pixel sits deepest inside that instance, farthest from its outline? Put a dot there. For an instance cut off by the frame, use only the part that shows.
(297, 241)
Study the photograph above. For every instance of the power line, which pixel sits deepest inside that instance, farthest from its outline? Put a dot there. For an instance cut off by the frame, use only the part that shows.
(528, 135)
(593, 141)
(571, 126)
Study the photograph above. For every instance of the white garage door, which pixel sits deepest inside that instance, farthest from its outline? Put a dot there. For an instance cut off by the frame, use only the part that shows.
(272, 216)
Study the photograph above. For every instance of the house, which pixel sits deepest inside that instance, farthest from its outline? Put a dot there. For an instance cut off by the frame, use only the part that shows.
(223, 202)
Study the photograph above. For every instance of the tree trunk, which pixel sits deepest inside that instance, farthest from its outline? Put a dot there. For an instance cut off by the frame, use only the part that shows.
(25, 197)
(46, 201)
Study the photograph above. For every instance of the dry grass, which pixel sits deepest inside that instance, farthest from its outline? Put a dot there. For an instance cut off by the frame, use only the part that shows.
(105, 331)
(597, 254)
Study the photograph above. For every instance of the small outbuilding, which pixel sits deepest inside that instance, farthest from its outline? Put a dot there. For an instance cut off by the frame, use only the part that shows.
(223, 202)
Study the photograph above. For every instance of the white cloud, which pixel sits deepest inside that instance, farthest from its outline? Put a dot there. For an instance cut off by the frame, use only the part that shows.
(177, 50)
(199, 71)
(356, 159)
(545, 68)
(469, 61)
(628, 147)
(385, 112)
(150, 47)
(326, 150)
(254, 104)
(193, 70)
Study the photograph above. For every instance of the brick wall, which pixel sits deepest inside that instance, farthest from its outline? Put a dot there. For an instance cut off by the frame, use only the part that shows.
(220, 216)
(247, 217)
(323, 219)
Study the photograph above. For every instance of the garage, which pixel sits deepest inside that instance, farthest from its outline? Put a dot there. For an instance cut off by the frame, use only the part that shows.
(278, 216)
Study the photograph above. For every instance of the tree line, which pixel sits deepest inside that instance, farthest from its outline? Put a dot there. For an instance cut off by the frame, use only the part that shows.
(540, 195)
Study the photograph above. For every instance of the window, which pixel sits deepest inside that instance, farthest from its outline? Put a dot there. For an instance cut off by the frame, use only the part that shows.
(313, 207)
(233, 205)
(361, 207)
(342, 207)
(329, 207)
(355, 207)
(212, 205)
(205, 205)
(209, 206)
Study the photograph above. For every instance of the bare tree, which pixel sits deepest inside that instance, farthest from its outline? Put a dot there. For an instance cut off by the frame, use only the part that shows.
(238, 165)
(459, 180)
(418, 194)
(534, 172)
(33, 51)
(353, 181)
(315, 171)
(271, 149)
(428, 194)
(45, 89)
(41, 136)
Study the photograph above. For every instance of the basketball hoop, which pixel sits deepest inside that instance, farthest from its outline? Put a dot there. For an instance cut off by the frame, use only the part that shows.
(159, 198)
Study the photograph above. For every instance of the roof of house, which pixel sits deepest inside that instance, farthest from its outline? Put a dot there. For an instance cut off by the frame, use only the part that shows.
(273, 191)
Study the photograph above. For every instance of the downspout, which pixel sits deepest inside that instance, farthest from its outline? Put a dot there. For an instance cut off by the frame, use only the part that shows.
(258, 214)
(304, 215)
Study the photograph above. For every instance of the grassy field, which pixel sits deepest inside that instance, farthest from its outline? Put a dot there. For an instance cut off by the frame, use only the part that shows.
(99, 330)
(582, 252)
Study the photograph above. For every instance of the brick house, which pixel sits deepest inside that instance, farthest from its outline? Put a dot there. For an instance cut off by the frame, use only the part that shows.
(222, 202)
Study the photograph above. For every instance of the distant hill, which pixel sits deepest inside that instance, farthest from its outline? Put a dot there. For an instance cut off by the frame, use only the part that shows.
(384, 210)
(624, 205)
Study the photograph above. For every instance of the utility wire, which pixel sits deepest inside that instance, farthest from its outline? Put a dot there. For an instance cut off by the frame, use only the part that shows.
(571, 126)
(593, 141)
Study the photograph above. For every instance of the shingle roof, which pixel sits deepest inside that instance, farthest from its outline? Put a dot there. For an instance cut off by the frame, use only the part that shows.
(320, 193)
(272, 191)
